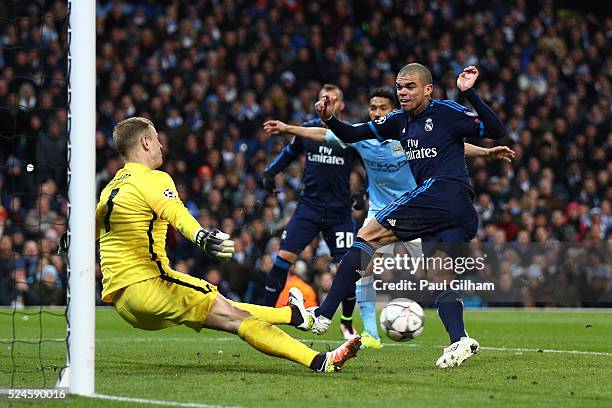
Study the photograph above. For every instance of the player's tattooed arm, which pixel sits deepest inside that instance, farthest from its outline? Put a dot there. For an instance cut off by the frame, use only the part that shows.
(495, 153)
(274, 127)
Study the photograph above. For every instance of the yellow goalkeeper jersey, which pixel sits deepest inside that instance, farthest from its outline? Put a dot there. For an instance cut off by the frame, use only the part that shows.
(132, 218)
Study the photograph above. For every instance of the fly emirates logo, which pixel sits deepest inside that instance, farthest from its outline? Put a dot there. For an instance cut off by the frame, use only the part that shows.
(413, 152)
(325, 157)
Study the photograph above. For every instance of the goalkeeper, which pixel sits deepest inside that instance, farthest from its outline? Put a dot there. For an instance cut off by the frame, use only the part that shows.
(132, 217)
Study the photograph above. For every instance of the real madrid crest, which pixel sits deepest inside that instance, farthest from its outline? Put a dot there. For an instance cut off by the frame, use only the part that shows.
(428, 125)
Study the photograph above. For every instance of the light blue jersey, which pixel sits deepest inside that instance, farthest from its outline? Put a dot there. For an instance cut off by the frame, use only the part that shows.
(389, 174)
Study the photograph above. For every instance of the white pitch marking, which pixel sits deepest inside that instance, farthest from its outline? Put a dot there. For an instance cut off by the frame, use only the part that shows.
(156, 402)
(321, 341)
(592, 353)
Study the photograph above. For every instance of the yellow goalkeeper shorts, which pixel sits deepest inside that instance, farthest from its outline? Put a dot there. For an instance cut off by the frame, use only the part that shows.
(171, 299)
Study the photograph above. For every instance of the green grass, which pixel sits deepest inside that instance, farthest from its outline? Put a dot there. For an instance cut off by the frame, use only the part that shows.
(213, 368)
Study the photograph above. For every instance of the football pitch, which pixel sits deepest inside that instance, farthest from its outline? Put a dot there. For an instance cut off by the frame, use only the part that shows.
(529, 358)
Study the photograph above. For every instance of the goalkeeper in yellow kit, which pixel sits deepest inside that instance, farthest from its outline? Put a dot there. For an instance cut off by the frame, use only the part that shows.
(132, 217)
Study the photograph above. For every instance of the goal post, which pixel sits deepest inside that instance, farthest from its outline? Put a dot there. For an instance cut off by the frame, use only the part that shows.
(82, 196)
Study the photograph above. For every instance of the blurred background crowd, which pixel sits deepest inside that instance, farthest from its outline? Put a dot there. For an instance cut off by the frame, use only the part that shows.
(210, 72)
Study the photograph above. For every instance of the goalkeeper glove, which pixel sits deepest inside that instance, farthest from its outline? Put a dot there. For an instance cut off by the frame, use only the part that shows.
(267, 180)
(216, 244)
(64, 243)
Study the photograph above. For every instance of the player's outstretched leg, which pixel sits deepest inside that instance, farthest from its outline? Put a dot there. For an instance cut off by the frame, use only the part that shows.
(366, 299)
(450, 310)
(273, 341)
(294, 314)
(349, 271)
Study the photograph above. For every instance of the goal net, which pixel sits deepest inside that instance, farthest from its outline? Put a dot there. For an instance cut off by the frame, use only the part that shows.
(47, 128)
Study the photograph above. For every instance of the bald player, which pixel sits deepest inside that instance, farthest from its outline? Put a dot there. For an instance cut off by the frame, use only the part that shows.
(440, 209)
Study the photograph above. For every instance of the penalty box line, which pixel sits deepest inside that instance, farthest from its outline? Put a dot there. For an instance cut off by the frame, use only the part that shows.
(156, 402)
(321, 341)
(590, 353)
(107, 397)
(410, 344)
(593, 353)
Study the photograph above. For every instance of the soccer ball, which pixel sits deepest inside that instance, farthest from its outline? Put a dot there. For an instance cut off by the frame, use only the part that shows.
(402, 319)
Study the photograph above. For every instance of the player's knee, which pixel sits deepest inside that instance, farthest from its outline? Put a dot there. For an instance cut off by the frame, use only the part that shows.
(287, 256)
(438, 273)
(236, 314)
(225, 316)
(366, 231)
(374, 232)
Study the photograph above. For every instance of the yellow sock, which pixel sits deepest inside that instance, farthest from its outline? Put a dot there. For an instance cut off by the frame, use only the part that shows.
(274, 342)
(272, 315)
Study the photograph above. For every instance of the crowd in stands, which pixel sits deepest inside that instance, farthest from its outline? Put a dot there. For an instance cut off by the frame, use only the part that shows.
(208, 73)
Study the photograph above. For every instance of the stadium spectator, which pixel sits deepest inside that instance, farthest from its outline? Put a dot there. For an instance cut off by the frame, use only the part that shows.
(210, 82)
(40, 217)
(298, 276)
(46, 291)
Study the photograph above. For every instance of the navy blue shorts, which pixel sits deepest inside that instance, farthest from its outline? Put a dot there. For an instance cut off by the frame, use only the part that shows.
(336, 226)
(437, 211)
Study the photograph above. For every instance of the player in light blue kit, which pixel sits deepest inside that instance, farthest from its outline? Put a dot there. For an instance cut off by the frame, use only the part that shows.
(389, 177)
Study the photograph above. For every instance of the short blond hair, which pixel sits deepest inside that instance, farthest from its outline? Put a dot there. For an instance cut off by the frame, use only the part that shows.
(333, 88)
(127, 133)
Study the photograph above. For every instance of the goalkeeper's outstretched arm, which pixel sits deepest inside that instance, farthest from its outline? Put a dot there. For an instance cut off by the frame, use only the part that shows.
(170, 208)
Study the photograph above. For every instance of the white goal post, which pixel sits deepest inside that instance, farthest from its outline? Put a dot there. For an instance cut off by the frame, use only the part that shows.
(79, 375)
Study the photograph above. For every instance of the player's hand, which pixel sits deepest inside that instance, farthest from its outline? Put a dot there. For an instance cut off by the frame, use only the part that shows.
(501, 153)
(215, 243)
(325, 106)
(274, 127)
(64, 243)
(267, 181)
(467, 78)
(358, 200)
